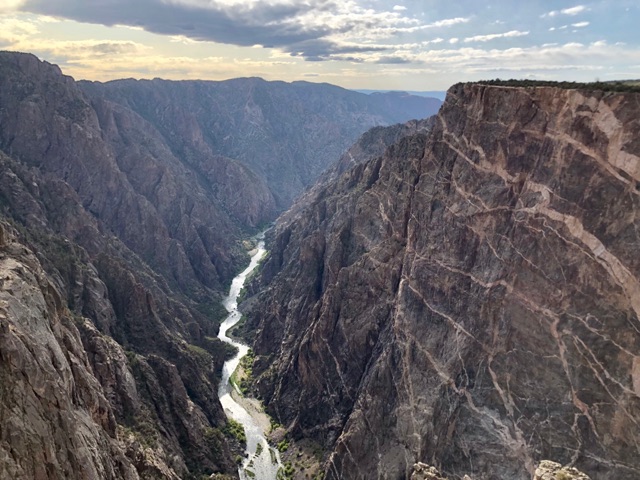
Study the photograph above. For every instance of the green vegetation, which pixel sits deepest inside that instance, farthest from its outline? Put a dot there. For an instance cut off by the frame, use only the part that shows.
(235, 430)
(259, 449)
(283, 446)
(615, 86)
(286, 472)
(214, 311)
(274, 424)
(203, 358)
(143, 430)
(250, 473)
(214, 439)
(242, 376)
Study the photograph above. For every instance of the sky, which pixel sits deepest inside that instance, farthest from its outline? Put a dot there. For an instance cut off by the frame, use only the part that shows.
(358, 44)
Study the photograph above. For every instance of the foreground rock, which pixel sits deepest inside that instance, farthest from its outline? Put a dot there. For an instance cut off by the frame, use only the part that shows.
(547, 470)
(470, 298)
(554, 471)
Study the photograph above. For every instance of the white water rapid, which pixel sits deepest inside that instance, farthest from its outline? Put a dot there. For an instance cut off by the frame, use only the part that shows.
(264, 466)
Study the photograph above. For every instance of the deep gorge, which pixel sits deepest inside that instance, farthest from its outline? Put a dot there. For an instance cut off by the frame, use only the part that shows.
(460, 291)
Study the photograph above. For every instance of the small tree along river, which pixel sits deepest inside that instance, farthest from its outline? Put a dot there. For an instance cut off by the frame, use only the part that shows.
(265, 464)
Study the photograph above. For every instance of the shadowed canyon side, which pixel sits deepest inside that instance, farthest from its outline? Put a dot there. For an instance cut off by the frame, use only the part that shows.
(122, 214)
(287, 133)
(469, 299)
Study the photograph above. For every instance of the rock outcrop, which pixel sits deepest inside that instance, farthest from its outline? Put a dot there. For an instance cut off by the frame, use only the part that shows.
(469, 299)
(554, 471)
(55, 419)
(150, 417)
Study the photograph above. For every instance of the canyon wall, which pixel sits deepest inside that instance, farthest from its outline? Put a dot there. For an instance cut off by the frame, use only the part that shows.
(121, 226)
(470, 298)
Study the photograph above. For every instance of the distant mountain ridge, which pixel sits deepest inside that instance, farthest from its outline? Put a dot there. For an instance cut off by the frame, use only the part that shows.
(438, 94)
(286, 133)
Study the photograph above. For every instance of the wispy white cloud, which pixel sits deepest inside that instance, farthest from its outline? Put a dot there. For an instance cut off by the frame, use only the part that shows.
(566, 11)
(448, 22)
(580, 24)
(493, 36)
(13, 29)
(399, 8)
(574, 10)
(7, 6)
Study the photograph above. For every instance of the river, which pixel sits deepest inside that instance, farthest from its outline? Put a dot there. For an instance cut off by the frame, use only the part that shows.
(264, 466)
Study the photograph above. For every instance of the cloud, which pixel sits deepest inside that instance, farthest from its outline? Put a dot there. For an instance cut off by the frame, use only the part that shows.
(580, 24)
(454, 40)
(448, 22)
(399, 8)
(7, 6)
(392, 59)
(315, 29)
(574, 10)
(566, 11)
(13, 30)
(492, 36)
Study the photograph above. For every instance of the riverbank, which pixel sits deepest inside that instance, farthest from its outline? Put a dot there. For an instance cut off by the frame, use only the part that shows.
(255, 409)
(261, 462)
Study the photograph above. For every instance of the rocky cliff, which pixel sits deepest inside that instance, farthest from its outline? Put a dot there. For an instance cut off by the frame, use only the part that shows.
(285, 134)
(106, 372)
(469, 299)
(122, 211)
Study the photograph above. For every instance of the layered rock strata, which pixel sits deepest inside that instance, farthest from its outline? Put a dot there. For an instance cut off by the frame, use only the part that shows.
(469, 299)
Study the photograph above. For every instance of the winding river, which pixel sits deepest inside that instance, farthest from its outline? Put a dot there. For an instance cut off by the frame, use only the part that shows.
(265, 465)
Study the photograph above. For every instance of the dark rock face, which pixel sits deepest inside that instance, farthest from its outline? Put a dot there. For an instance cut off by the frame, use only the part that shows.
(288, 134)
(110, 389)
(470, 298)
(122, 173)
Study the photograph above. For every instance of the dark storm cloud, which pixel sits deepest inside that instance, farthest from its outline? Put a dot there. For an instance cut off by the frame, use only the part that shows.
(261, 23)
(320, 49)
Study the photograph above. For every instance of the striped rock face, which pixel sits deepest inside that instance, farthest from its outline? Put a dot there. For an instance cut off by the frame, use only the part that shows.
(471, 298)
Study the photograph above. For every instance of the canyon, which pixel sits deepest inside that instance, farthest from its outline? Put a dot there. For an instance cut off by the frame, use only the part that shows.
(124, 210)
(447, 297)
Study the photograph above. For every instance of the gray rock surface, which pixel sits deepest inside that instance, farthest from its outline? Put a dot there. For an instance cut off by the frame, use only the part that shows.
(284, 134)
(470, 298)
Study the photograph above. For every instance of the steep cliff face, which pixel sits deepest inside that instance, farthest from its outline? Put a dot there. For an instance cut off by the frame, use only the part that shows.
(287, 133)
(143, 363)
(470, 298)
(54, 417)
(120, 170)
